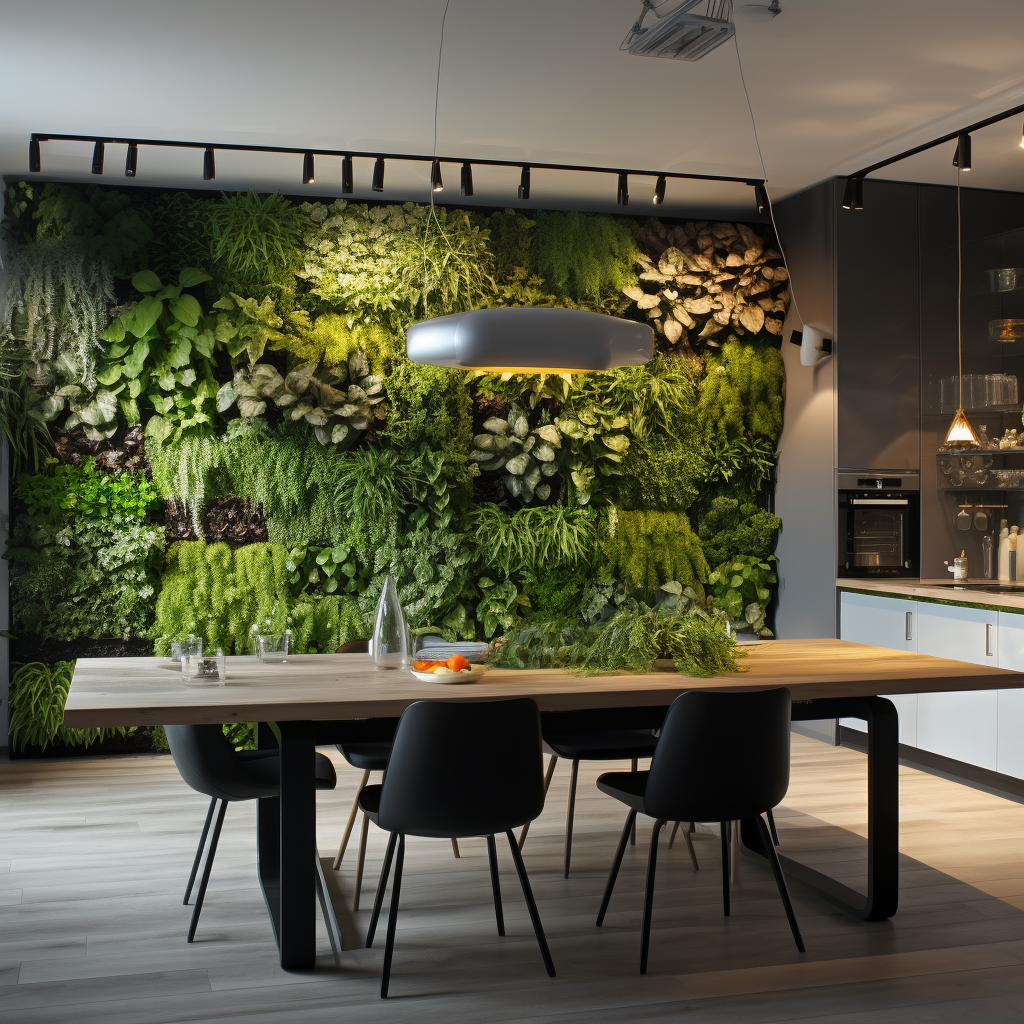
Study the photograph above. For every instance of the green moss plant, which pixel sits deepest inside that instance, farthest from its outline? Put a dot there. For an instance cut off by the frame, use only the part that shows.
(647, 549)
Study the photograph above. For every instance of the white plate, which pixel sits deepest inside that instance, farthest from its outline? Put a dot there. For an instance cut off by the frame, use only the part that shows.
(471, 675)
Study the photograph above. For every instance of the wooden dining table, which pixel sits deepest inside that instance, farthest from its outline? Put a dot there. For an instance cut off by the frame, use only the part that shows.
(309, 698)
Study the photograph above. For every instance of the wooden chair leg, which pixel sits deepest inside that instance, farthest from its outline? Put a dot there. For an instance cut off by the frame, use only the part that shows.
(351, 821)
(672, 834)
(547, 783)
(455, 848)
(570, 812)
(690, 850)
(360, 862)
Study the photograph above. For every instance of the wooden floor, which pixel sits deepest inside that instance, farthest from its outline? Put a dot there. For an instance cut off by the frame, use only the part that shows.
(94, 855)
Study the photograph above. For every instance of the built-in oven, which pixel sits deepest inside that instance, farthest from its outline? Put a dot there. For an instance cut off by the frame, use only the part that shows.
(879, 525)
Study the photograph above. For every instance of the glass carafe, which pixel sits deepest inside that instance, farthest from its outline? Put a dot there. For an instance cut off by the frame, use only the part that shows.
(390, 635)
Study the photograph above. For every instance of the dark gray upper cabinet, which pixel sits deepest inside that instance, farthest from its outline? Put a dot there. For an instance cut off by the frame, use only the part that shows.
(878, 324)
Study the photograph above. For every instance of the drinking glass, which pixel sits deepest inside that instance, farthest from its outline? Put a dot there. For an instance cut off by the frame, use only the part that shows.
(191, 645)
(272, 648)
(199, 671)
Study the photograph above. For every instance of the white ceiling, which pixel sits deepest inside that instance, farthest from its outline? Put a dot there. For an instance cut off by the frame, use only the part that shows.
(834, 86)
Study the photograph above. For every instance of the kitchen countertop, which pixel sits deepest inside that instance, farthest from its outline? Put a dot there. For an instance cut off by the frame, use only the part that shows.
(932, 590)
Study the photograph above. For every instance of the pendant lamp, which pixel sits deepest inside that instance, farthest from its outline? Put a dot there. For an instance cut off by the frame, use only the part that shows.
(960, 434)
(530, 339)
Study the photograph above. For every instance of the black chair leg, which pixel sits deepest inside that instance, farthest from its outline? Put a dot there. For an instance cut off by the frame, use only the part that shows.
(570, 813)
(492, 858)
(632, 832)
(614, 873)
(389, 946)
(725, 866)
(531, 905)
(780, 881)
(199, 851)
(652, 864)
(204, 881)
(382, 885)
(771, 826)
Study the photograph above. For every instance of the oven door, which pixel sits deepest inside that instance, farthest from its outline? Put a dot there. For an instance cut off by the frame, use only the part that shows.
(881, 535)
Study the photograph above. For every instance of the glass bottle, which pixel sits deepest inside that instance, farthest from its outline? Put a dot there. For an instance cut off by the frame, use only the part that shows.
(390, 635)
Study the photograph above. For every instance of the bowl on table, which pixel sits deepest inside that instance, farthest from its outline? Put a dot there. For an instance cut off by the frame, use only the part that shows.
(473, 674)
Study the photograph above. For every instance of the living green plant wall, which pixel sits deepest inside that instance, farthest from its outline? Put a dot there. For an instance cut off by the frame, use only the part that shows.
(214, 426)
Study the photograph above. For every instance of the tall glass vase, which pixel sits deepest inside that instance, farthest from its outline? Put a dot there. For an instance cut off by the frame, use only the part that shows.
(390, 633)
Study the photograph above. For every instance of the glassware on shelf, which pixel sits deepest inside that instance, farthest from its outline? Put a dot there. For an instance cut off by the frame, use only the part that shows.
(272, 648)
(1005, 330)
(1008, 279)
(390, 643)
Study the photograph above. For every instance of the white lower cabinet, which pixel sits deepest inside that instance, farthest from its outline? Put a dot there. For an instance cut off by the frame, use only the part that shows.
(884, 622)
(1010, 732)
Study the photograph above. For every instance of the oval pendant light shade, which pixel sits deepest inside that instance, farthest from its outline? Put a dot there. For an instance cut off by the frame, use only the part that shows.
(529, 339)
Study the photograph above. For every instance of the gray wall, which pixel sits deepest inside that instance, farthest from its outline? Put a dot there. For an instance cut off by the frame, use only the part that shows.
(5, 515)
(805, 492)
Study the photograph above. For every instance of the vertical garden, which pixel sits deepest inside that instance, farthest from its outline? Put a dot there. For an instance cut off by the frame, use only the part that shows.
(212, 423)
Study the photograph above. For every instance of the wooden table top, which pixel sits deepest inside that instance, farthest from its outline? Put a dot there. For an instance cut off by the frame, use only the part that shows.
(326, 687)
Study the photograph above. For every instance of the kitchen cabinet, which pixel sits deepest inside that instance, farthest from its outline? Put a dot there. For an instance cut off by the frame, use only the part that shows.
(885, 622)
(1010, 710)
(962, 724)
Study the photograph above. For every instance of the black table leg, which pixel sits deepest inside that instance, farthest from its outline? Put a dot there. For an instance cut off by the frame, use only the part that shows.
(882, 896)
(286, 847)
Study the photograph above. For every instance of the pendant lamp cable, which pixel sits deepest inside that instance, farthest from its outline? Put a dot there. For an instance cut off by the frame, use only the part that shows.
(433, 222)
(764, 174)
(959, 296)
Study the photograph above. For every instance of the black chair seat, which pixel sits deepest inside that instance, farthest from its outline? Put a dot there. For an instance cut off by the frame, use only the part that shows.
(270, 769)
(367, 757)
(629, 787)
(369, 801)
(614, 745)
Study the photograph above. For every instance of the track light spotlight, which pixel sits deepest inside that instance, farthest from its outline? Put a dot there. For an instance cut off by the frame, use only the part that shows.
(853, 197)
(436, 184)
(346, 175)
(467, 179)
(378, 175)
(308, 173)
(97, 158)
(524, 183)
(131, 161)
(1022, 138)
(622, 194)
(659, 191)
(761, 198)
(209, 165)
(962, 156)
(34, 162)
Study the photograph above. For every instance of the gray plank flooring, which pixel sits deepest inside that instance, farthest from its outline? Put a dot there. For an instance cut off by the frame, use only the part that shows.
(95, 853)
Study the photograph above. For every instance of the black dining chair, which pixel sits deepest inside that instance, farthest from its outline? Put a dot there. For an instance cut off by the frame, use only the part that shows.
(721, 757)
(209, 764)
(367, 747)
(596, 735)
(458, 770)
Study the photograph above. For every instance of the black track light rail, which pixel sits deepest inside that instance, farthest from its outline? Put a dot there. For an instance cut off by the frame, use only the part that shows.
(951, 137)
(38, 137)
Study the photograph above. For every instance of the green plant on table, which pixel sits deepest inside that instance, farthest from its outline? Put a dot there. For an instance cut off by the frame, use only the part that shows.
(38, 693)
(740, 589)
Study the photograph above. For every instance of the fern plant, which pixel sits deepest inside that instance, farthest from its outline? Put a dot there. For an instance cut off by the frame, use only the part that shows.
(647, 549)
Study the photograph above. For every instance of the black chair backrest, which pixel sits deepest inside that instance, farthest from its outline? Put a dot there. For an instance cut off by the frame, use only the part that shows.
(207, 762)
(354, 647)
(471, 769)
(721, 756)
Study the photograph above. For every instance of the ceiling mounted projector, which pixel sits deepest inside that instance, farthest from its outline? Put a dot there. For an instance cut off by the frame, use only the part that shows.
(688, 32)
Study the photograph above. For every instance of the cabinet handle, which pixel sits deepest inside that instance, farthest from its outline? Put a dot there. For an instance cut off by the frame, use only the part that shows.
(988, 639)
(910, 625)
